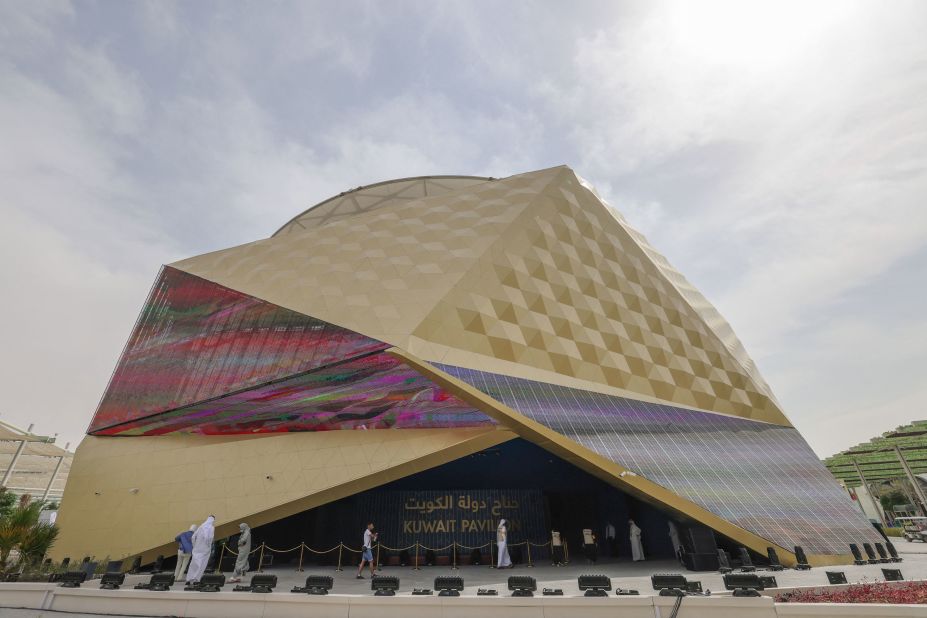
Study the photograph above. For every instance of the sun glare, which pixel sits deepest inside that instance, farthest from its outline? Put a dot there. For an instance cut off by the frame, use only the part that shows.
(762, 34)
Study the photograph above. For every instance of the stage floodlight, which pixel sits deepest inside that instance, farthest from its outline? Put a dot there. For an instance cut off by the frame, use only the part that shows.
(212, 582)
(746, 563)
(773, 556)
(72, 579)
(664, 581)
(740, 581)
(449, 586)
(892, 551)
(892, 575)
(316, 584)
(836, 577)
(694, 587)
(857, 555)
(158, 564)
(745, 592)
(487, 592)
(870, 554)
(724, 562)
(384, 585)
(552, 592)
(114, 566)
(112, 581)
(595, 585)
(801, 559)
(522, 585)
(883, 556)
(768, 581)
(261, 583)
(159, 582)
(136, 565)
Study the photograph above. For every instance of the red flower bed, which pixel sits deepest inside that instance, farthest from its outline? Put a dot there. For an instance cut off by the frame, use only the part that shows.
(907, 594)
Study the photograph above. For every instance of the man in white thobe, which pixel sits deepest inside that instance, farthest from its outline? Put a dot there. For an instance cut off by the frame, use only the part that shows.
(501, 539)
(202, 546)
(637, 550)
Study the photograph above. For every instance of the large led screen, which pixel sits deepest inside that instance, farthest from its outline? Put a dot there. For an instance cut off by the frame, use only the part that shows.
(196, 340)
(374, 391)
(762, 477)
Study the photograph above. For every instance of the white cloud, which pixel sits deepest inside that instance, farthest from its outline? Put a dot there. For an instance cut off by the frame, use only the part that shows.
(775, 152)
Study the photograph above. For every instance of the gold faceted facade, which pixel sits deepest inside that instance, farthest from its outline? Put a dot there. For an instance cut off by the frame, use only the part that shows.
(531, 280)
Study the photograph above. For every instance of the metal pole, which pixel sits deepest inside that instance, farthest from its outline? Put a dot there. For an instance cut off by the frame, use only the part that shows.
(340, 545)
(416, 557)
(454, 553)
(261, 559)
(528, 545)
(9, 471)
(53, 477)
(492, 561)
(301, 549)
(917, 486)
(865, 484)
(377, 561)
(221, 556)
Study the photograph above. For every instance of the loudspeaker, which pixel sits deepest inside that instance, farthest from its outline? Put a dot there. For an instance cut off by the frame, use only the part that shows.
(702, 540)
(701, 562)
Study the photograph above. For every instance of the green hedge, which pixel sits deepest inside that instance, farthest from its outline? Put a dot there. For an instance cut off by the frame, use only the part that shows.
(893, 531)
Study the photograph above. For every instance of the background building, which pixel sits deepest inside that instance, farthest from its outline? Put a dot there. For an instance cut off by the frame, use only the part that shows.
(888, 464)
(31, 464)
(497, 348)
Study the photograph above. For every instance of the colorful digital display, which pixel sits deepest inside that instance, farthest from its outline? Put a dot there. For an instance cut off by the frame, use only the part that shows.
(196, 340)
(375, 391)
(762, 477)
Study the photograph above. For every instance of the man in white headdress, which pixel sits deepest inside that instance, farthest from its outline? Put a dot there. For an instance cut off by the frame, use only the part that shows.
(501, 535)
(184, 551)
(244, 552)
(637, 550)
(202, 546)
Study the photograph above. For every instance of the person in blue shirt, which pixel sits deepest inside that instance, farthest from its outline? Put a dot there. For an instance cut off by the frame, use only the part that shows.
(184, 551)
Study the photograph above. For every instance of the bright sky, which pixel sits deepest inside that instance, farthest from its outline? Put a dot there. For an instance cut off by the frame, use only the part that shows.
(775, 152)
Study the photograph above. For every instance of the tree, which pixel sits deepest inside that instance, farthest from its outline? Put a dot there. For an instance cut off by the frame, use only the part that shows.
(7, 501)
(21, 530)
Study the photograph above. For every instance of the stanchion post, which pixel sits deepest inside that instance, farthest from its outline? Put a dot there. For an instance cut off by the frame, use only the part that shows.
(377, 567)
(566, 552)
(528, 545)
(221, 556)
(340, 545)
(454, 553)
(492, 561)
(302, 547)
(416, 558)
(261, 559)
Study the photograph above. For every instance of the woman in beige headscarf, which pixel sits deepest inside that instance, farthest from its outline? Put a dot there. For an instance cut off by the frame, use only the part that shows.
(501, 540)
(244, 552)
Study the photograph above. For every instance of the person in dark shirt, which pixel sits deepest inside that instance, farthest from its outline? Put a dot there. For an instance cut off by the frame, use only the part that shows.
(184, 551)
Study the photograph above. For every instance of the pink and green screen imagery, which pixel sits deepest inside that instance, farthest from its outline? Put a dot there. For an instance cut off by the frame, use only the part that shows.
(206, 359)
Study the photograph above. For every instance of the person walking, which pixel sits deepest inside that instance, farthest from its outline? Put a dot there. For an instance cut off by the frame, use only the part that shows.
(367, 552)
(637, 549)
(505, 562)
(184, 551)
(244, 553)
(202, 547)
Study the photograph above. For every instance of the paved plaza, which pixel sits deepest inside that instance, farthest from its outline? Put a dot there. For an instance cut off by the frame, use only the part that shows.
(623, 575)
